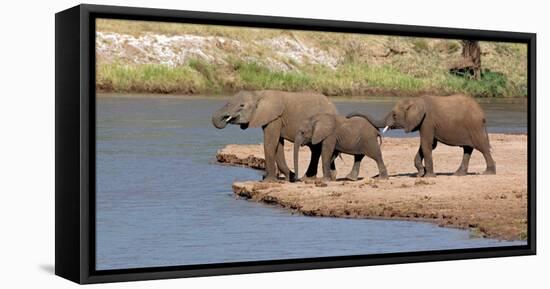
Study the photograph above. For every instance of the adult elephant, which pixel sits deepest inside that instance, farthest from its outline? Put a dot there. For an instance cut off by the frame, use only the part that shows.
(455, 120)
(279, 114)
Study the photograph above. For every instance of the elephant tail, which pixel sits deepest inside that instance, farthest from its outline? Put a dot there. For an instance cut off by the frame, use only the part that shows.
(375, 122)
(339, 155)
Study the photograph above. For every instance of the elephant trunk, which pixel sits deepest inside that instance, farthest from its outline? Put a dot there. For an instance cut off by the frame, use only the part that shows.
(388, 122)
(219, 119)
(297, 143)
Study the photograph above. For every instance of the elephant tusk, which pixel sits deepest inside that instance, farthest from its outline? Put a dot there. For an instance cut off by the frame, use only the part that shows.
(228, 118)
(385, 129)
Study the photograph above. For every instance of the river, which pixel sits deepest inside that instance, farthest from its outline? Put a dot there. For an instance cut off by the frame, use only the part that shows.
(161, 199)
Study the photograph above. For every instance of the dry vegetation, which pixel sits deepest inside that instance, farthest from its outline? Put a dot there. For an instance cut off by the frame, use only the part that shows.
(137, 56)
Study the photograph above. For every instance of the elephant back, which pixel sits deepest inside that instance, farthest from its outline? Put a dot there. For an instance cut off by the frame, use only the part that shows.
(302, 106)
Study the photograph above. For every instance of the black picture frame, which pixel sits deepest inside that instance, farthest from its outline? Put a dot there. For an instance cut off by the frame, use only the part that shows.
(75, 143)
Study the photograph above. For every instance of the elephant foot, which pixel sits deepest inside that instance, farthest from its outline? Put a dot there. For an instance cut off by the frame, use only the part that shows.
(333, 175)
(429, 175)
(308, 179)
(270, 179)
(492, 171)
(326, 179)
(291, 177)
(351, 177)
(310, 175)
(420, 173)
(460, 173)
(382, 176)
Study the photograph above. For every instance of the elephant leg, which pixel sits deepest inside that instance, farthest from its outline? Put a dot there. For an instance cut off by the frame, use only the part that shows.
(353, 175)
(281, 161)
(491, 166)
(327, 152)
(314, 162)
(271, 142)
(463, 169)
(333, 166)
(418, 162)
(373, 151)
(484, 147)
(427, 147)
(382, 171)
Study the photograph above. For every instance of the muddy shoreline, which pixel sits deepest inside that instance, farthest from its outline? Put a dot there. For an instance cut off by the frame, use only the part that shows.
(492, 206)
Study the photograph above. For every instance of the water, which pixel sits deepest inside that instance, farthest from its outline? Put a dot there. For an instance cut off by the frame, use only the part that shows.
(162, 201)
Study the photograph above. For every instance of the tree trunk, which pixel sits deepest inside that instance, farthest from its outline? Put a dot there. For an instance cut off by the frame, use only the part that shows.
(471, 52)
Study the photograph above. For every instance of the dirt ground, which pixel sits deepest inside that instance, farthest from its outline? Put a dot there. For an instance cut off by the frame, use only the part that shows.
(489, 205)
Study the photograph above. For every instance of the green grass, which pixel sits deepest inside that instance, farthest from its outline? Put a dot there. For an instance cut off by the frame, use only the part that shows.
(491, 85)
(419, 66)
(200, 77)
(150, 78)
(255, 76)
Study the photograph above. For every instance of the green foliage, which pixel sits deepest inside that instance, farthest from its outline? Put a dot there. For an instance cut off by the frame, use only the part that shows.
(256, 76)
(348, 80)
(491, 84)
(209, 74)
(150, 78)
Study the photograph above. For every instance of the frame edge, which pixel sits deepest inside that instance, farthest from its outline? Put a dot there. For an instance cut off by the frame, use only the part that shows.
(67, 145)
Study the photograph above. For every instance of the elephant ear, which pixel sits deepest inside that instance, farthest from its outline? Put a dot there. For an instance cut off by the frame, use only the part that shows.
(414, 114)
(323, 126)
(268, 108)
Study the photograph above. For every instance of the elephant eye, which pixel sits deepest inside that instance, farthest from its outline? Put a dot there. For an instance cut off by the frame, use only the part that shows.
(242, 105)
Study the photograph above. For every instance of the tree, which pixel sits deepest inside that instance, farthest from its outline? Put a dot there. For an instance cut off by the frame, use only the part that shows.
(470, 64)
(471, 52)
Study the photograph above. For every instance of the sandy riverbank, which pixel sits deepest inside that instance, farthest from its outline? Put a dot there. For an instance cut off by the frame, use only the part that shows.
(490, 205)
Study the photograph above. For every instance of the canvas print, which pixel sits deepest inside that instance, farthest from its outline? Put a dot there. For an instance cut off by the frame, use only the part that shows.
(222, 144)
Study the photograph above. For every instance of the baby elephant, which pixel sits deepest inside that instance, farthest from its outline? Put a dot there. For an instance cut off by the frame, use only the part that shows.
(337, 134)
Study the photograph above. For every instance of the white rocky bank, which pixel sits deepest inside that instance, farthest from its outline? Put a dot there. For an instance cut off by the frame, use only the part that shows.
(279, 53)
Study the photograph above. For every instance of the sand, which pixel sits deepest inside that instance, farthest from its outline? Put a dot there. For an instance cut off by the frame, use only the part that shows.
(492, 206)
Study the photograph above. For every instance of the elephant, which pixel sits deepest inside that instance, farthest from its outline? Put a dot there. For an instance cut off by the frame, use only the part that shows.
(278, 113)
(337, 134)
(455, 120)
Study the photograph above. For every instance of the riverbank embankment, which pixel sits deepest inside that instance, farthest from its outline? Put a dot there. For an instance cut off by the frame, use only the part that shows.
(492, 206)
